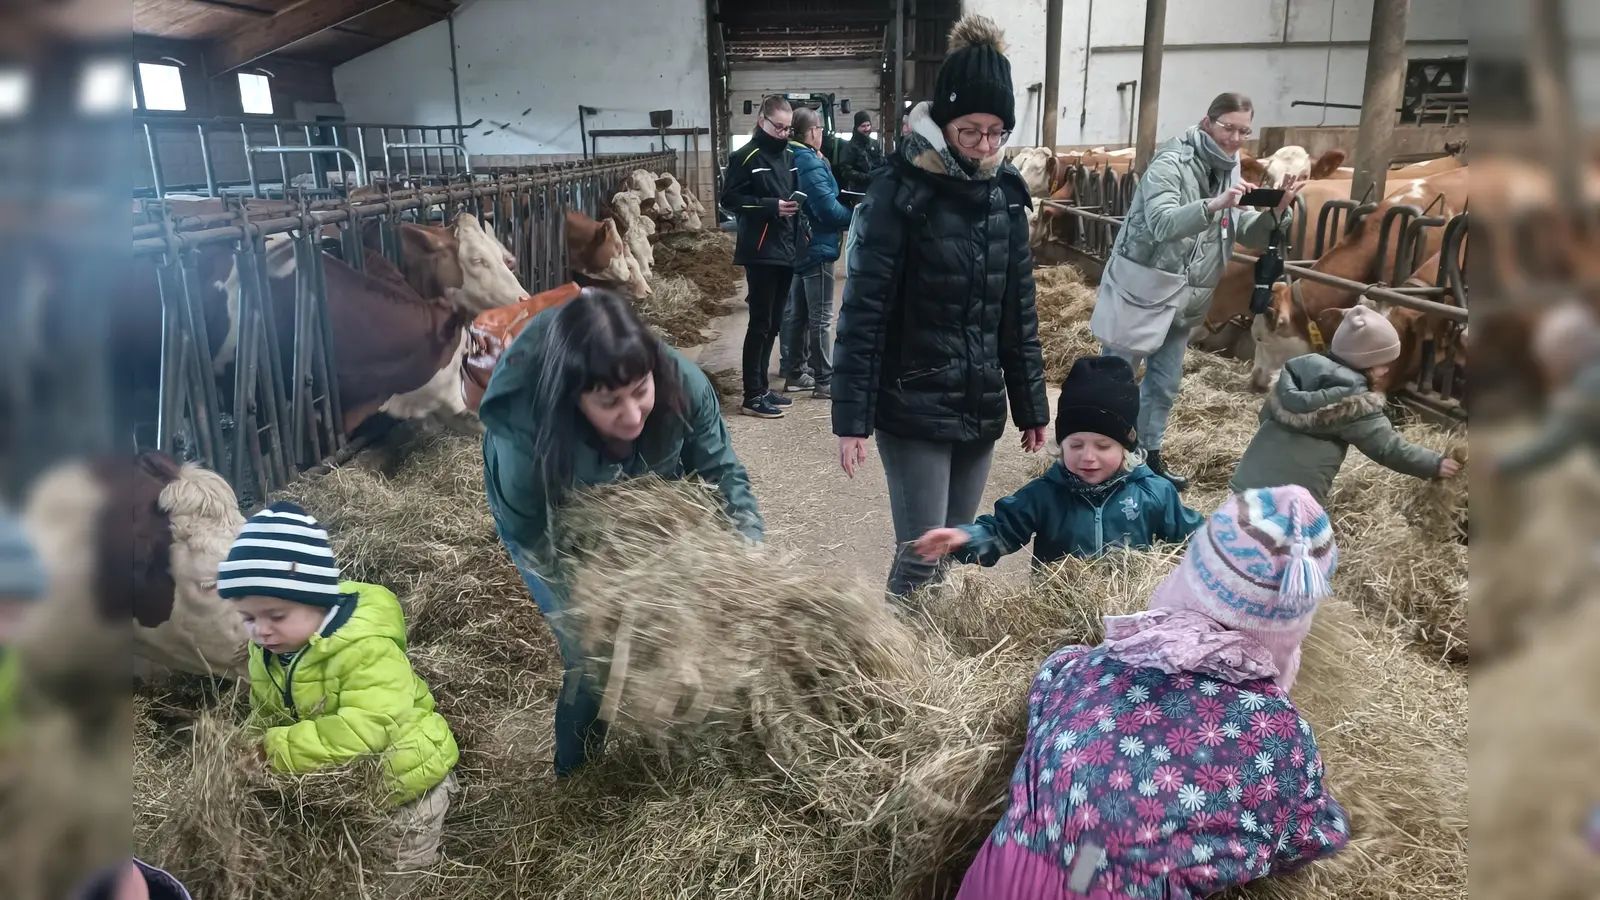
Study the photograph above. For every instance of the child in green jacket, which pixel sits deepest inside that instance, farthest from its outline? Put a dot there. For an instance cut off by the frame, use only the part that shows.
(329, 676)
(1324, 405)
(1100, 495)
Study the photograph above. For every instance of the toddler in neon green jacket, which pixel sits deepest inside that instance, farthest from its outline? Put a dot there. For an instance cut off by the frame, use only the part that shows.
(329, 678)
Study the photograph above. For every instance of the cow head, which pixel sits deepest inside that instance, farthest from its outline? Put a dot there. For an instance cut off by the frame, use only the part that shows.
(1327, 164)
(1251, 169)
(596, 249)
(464, 264)
(1278, 339)
(1037, 166)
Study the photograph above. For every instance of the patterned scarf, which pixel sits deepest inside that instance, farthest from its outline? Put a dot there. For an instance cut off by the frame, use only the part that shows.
(925, 148)
(1094, 493)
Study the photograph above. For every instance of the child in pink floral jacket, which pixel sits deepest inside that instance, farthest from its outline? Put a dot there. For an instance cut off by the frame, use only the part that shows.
(1168, 762)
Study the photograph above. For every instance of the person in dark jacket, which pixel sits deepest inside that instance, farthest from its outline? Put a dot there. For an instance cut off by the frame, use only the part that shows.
(586, 395)
(808, 318)
(938, 330)
(760, 180)
(1100, 495)
(861, 156)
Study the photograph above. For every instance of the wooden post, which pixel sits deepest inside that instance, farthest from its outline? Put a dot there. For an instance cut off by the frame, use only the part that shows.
(1155, 33)
(1380, 98)
(1050, 106)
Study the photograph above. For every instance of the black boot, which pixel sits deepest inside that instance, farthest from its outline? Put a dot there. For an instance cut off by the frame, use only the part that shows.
(1153, 460)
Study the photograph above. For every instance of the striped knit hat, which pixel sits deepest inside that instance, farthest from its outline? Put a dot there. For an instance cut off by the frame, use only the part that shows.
(1260, 565)
(282, 553)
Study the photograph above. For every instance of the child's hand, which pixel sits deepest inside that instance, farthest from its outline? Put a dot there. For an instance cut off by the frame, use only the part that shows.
(940, 542)
(1449, 468)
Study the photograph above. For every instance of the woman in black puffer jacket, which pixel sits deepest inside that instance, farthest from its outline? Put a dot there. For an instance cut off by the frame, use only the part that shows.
(938, 330)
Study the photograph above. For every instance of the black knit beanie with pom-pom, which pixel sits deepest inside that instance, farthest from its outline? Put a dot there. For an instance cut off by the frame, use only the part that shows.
(975, 76)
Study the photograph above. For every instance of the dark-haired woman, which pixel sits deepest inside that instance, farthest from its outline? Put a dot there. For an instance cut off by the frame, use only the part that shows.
(586, 395)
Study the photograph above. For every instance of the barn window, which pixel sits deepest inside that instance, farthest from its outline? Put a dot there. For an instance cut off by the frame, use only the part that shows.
(14, 90)
(163, 87)
(101, 84)
(255, 94)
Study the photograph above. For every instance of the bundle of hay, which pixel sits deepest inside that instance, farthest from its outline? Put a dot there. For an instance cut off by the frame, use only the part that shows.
(676, 308)
(705, 258)
(1064, 303)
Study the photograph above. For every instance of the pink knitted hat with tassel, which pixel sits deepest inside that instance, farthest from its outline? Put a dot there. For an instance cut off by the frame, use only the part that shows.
(1260, 565)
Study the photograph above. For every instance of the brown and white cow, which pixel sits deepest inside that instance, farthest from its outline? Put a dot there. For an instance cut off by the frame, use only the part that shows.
(1289, 162)
(597, 253)
(1037, 165)
(1291, 326)
(142, 536)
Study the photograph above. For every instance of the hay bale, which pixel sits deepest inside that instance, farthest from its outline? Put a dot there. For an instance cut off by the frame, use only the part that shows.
(705, 258)
(1064, 303)
(729, 383)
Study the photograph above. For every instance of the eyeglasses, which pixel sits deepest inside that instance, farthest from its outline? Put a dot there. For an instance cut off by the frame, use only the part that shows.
(1242, 131)
(780, 130)
(969, 138)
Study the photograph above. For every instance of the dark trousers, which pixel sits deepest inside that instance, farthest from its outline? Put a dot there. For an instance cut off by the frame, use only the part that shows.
(768, 293)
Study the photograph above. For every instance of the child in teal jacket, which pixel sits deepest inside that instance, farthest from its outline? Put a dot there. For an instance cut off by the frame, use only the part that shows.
(1100, 495)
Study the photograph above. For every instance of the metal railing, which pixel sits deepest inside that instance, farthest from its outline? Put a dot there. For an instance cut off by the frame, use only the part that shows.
(280, 413)
(1101, 199)
(209, 157)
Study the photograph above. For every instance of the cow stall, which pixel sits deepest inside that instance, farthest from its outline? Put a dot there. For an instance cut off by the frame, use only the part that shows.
(1082, 218)
(228, 347)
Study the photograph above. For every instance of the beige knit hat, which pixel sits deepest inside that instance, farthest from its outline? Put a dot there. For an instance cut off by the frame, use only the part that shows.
(1568, 336)
(1365, 339)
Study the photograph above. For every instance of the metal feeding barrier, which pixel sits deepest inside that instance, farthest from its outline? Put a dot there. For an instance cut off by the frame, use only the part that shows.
(279, 412)
(1100, 202)
(211, 157)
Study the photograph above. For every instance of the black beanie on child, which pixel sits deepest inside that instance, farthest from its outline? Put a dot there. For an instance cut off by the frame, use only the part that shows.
(1100, 397)
(975, 76)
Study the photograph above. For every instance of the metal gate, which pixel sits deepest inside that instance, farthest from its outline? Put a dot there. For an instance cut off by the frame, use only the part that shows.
(273, 421)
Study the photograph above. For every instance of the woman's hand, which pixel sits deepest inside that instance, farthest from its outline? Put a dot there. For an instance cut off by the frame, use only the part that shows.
(940, 542)
(852, 453)
(1033, 439)
(1291, 190)
(1229, 199)
(1449, 468)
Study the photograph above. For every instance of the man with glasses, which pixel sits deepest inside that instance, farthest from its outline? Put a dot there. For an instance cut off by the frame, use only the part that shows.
(760, 180)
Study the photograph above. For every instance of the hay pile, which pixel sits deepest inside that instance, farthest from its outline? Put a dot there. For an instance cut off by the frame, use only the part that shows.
(1536, 767)
(1064, 303)
(703, 257)
(878, 749)
(676, 308)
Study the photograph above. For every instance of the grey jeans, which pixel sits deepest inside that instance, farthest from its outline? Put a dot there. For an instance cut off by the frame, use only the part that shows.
(931, 485)
(1163, 376)
(806, 343)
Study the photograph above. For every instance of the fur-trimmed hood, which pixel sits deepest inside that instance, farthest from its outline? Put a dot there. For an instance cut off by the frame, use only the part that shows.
(925, 148)
(1316, 392)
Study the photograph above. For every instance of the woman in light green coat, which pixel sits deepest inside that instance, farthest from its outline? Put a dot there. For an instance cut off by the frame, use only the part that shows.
(1170, 253)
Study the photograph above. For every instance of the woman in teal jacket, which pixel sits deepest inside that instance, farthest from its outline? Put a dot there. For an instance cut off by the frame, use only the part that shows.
(586, 395)
(806, 342)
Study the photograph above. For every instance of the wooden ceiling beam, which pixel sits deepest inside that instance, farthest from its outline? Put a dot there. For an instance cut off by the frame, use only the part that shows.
(292, 24)
(257, 12)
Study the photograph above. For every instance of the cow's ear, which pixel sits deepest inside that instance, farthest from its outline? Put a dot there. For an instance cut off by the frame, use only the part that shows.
(663, 183)
(1327, 164)
(425, 238)
(1329, 320)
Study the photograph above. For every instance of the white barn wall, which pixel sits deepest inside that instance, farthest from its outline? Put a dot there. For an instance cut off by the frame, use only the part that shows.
(1272, 76)
(528, 66)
